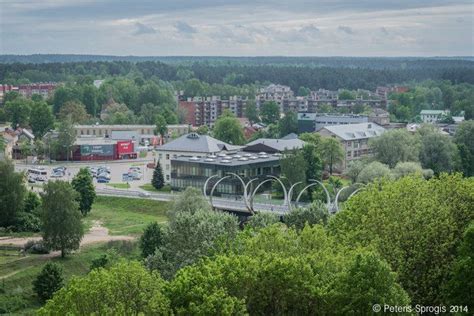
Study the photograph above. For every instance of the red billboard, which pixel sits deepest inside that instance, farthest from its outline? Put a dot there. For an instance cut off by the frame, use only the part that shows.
(124, 147)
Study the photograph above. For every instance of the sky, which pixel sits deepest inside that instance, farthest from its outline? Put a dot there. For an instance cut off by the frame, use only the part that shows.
(238, 27)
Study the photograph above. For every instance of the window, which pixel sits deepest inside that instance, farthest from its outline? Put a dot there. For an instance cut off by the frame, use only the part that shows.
(82, 132)
(167, 167)
(167, 177)
(160, 156)
(93, 131)
(88, 132)
(167, 156)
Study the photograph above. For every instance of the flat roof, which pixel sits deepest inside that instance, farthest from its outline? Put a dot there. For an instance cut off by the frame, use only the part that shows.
(234, 159)
(355, 131)
(94, 141)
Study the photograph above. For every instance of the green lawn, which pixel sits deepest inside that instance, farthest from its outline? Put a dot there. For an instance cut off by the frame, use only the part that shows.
(127, 216)
(118, 185)
(16, 274)
(151, 188)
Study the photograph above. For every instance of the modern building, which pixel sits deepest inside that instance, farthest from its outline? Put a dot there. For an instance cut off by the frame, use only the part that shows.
(354, 138)
(433, 116)
(190, 145)
(88, 148)
(313, 122)
(194, 171)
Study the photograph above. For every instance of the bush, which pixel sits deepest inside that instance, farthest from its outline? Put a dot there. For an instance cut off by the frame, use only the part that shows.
(11, 303)
(35, 247)
(27, 222)
(48, 281)
(262, 220)
(374, 170)
(316, 213)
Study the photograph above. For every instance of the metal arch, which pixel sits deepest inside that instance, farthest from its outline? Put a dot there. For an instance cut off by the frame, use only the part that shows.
(204, 188)
(255, 191)
(328, 197)
(214, 187)
(353, 193)
(290, 193)
(244, 187)
(283, 187)
(336, 200)
(247, 186)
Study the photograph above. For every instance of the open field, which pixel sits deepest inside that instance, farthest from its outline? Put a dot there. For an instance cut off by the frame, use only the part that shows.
(125, 216)
(18, 271)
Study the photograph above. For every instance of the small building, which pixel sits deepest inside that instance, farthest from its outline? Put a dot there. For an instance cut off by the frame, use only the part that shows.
(379, 116)
(433, 116)
(190, 145)
(354, 138)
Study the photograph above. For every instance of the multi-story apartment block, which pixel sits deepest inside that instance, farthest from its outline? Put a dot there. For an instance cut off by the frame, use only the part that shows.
(44, 89)
(383, 92)
(354, 138)
(313, 122)
(205, 111)
(277, 93)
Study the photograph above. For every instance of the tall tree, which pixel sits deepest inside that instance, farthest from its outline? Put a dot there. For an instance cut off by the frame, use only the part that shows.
(41, 119)
(89, 99)
(61, 218)
(437, 151)
(251, 112)
(228, 129)
(151, 239)
(332, 152)
(464, 139)
(270, 112)
(293, 167)
(160, 123)
(288, 124)
(75, 111)
(12, 193)
(66, 136)
(18, 111)
(158, 181)
(83, 184)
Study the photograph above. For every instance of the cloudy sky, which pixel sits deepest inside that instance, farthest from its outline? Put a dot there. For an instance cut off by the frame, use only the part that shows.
(238, 27)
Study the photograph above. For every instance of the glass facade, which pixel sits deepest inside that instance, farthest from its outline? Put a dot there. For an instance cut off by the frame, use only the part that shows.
(195, 174)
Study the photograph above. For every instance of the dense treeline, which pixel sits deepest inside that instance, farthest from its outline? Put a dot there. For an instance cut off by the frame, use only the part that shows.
(326, 75)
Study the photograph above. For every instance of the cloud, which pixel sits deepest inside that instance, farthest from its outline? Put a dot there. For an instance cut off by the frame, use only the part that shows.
(143, 29)
(184, 27)
(346, 29)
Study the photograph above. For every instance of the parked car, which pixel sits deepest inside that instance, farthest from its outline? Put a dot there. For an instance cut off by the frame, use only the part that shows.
(60, 169)
(104, 175)
(31, 180)
(57, 175)
(102, 180)
(151, 165)
(40, 178)
(135, 175)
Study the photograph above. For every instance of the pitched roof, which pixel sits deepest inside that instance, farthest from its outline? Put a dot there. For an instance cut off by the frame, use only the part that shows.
(356, 131)
(433, 112)
(194, 142)
(280, 145)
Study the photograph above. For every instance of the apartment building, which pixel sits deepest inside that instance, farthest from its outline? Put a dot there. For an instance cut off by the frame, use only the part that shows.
(354, 138)
(313, 122)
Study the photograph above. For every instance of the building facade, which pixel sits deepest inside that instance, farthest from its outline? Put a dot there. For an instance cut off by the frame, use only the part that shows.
(313, 122)
(354, 138)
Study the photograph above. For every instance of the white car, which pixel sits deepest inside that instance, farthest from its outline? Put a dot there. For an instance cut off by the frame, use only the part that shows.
(144, 194)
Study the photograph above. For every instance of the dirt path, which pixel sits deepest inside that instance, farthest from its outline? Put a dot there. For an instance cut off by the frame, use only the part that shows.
(96, 234)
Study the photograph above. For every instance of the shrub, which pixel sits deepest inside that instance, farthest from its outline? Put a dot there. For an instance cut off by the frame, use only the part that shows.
(48, 281)
(35, 247)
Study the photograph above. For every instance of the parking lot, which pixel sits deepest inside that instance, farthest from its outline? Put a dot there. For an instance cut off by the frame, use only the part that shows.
(116, 168)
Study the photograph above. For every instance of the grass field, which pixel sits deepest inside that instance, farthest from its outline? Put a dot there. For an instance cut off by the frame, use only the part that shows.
(151, 188)
(18, 271)
(126, 216)
(118, 185)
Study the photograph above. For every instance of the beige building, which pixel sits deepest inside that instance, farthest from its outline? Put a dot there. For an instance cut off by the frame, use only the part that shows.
(354, 138)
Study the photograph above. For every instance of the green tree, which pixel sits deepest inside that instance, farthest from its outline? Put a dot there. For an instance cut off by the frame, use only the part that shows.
(75, 111)
(414, 224)
(42, 119)
(293, 167)
(437, 151)
(18, 112)
(160, 123)
(332, 152)
(89, 99)
(66, 136)
(48, 281)
(158, 181)
(372, 171)
(311, 138)
(262, 220)
(464, 139)
(458, 290)
(83, 184)
(288, 124)
(251, 112)
(346, 95)
(151, 239)
(354, 167)
(12, 193)
(124, 289)
(303, 91)
(395, 146)
(403, 169)
(190, 201)
(203, 130)
(228, 129)
(60, 216)
(316, 213)
(270, 112)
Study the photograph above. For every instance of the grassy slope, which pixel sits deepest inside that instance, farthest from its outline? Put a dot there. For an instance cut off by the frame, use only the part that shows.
(125, 216)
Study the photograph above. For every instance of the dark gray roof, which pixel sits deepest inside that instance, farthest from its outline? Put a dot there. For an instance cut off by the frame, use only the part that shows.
(279, 144)
(193, 142)
(290, 136)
